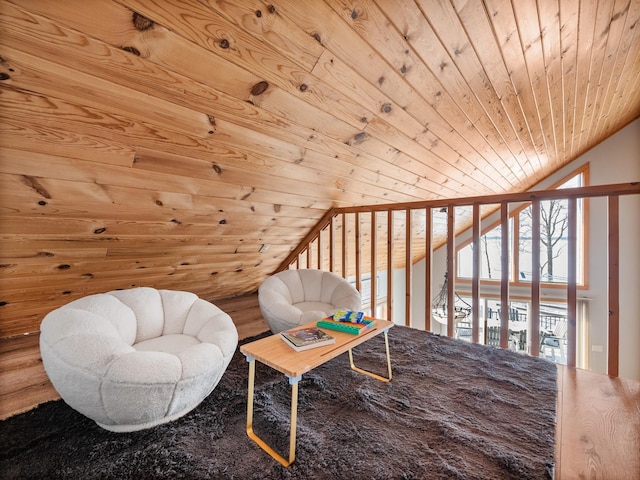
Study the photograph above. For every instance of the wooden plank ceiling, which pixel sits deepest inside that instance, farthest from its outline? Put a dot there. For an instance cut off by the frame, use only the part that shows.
(163, 142)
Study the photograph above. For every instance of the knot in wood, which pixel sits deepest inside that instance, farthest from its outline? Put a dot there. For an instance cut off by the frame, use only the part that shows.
(271, 9)
(133, 50)
(358, 137)
(98, 231)
(222, 222)
(303, 87)
(354, 14)
(258, 13)
(141, 22)
(259, 88)
(4, 76)
(217, 169)
(224, 43)
(386, 108)
(317, 37)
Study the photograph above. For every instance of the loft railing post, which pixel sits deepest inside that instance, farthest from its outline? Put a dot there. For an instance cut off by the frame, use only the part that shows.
(613, 346)
(504, 280)
(535, 278)
(451, 273)
(475, 281)
(572, 298)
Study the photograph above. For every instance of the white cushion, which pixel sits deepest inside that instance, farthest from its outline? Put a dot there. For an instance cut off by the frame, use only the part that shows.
(293, 297)
(146, 305)
(133, 359)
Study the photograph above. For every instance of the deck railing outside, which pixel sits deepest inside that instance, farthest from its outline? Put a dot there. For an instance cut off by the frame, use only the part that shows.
(356, 241)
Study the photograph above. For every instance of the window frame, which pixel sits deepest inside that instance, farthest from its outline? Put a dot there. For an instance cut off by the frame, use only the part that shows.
(514, 233)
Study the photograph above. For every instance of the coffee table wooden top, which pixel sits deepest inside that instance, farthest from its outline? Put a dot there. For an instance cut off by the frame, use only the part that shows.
(272, 350)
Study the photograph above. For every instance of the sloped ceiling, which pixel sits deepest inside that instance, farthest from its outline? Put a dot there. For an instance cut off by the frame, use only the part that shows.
(163, 142)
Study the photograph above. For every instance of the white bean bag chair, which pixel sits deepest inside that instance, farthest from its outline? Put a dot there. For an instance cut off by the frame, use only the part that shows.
(293, 297)
(133, 359)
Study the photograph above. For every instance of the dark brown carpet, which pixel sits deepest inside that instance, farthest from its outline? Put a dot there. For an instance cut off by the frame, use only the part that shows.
(452, 411)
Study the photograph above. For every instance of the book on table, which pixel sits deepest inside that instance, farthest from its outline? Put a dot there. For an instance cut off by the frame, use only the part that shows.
(305, 338)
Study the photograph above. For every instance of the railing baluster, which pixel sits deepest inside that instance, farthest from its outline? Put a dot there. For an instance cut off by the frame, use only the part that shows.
(451, 273)
(475, 281)
(374, 263)
(408, 268)
(357, 258)
(332, 243)
(320, 247)
(428, 256)
(504, 279)
(344, 246)
(389, 264)
(572, 297)
(613, 346)
(535, 278)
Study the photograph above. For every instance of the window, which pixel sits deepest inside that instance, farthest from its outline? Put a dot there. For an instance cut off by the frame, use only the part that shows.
(490, 252)
(552, 247)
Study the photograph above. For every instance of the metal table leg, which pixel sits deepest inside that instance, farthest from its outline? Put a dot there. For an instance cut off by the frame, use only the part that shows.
(378, 377)
(294, 417)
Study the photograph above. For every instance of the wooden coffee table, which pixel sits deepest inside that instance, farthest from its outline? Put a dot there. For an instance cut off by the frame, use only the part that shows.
(272, 351)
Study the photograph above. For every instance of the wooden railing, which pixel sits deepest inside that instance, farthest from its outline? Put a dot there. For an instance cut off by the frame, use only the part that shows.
(359, 242)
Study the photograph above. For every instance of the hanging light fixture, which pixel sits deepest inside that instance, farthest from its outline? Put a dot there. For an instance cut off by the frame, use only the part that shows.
(439, 306)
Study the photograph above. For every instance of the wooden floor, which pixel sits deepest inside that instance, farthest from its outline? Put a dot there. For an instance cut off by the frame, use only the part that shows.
(598, 417)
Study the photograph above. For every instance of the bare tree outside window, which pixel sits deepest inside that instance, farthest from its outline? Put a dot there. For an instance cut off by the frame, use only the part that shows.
(486, 254)
(553, 229)
(553, 245)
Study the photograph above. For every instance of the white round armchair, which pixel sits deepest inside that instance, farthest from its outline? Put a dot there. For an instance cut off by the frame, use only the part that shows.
(293, 297)
(133, 359)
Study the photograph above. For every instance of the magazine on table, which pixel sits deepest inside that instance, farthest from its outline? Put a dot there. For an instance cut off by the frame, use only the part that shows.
(305, 338)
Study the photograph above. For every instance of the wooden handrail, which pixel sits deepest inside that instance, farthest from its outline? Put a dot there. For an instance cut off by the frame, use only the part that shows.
(612, 192)
(529, 196)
